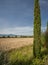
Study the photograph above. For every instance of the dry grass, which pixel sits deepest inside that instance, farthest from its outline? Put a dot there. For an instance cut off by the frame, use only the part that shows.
(12, 43)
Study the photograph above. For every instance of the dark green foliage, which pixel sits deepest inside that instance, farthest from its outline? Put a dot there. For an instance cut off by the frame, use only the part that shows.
(1, 58)
(37, 30)
(15, 36)
(46, 37)
(3, 37)
(43, 39)
(8, 36)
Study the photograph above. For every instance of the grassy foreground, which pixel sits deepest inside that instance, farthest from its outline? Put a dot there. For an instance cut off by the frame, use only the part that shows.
(23, 56)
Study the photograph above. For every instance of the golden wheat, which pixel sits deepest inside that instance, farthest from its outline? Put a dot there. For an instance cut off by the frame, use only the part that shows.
(11, 43)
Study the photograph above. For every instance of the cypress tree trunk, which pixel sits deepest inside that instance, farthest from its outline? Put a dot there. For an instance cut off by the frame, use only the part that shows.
(37, 29)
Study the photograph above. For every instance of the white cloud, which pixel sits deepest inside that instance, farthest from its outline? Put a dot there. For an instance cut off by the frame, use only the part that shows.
(20, 30)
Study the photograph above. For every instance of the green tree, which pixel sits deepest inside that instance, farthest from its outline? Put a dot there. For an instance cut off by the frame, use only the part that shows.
(37, 29)
(46, 37)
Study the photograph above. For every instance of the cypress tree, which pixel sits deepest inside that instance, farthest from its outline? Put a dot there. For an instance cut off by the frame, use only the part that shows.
(37, 29)
(46, 37)
(47, 27)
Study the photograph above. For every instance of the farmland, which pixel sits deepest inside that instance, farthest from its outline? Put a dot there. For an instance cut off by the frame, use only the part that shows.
(19, 51)
(14, 43)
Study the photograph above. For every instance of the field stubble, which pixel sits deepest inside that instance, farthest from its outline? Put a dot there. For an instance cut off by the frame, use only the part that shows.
(14, 43)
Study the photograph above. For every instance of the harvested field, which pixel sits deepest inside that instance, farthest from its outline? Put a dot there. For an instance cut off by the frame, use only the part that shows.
(12, 43)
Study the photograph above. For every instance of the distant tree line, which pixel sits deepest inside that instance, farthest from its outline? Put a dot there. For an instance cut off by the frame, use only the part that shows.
(16, 36)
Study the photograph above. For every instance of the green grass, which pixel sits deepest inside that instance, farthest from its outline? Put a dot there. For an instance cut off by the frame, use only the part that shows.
(24, 56)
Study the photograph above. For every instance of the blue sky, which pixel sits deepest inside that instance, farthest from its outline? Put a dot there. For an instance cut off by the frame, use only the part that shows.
(16, 16)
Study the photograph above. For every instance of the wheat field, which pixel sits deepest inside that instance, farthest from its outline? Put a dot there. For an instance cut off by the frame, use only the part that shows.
(14, 43)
